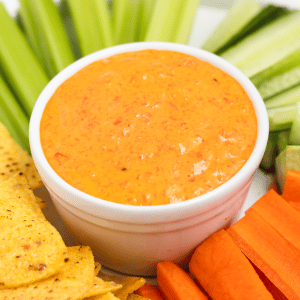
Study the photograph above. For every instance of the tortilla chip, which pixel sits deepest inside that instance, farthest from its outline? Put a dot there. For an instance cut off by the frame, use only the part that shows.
(14, 159)
(17, 202)
(129, 284)
(97, 268)
(30, 251)
(75, 279)
(136, 297)
(101, 287)
(108, 296)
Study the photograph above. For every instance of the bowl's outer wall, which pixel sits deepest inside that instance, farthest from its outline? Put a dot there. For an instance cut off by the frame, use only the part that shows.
(123, 248)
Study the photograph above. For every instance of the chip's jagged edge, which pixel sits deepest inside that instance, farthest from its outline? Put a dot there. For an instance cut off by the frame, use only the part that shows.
(14, 159)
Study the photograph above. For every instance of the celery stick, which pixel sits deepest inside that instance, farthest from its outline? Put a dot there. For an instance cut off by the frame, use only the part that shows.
(70, 27)
(35, 36)
(288, 97)
(267, 15)
(283, 139)
(163, 22)
(266, 46)
(18, 63)
(286, 64)
(237, 18)
(119, 11)
(125, 20)
(295, 129)
(281, 118)
(13, 117)
(268, 159)
(48, 18)
(279, 83)
(10, 127)
(105, 22)
(130, 33)
(19, 21)
(186, 22)
(147, 7)
(86, 25)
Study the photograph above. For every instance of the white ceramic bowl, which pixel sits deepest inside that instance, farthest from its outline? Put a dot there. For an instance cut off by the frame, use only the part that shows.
(132, 239)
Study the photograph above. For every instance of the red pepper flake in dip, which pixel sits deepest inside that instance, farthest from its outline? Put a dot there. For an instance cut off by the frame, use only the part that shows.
(148, 128)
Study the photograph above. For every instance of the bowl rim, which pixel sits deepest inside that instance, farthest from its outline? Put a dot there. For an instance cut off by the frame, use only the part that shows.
(156, 213)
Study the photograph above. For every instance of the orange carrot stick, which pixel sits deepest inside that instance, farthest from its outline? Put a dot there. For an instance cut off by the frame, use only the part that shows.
(224, 272)
(291, 190)
(275, 292)
(149, 291)
(176, 284)
(271, 253)
(280, 215)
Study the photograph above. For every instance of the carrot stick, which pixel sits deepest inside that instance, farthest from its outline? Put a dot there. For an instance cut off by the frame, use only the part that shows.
(176, 284)
(150, 291)
(224, 272)
(280, 215)
(291, 191)
(272, 254)
(275, 292)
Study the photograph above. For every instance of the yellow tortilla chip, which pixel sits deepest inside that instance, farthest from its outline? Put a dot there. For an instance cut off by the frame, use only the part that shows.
(14, 159)
(101, 287)
(97, 268)
(136, 297)
(108, 296)
(129, 284)
(17, 202)
(30, 251)
(75, 279)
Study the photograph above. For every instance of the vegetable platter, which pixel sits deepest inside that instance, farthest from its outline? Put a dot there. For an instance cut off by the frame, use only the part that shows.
(207, 17)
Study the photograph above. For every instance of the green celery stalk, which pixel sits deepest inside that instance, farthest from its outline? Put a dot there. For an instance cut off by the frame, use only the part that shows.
(119, 11)
(281, 118)
(35, 36)
(70, 27)
(125, 20)
(105, 22)
(18, 63)
(13, 117)
(86, 25)
(279, 83)
(283, 140)
(268, 159)
(294, 138)
(267, 15)
(288, 97)
(186, 22)
(266, 46)
(147, 7)
(237, 18)
(10, 127)
(19, 21)
(47, 16)
(164, 19)
(286, 64)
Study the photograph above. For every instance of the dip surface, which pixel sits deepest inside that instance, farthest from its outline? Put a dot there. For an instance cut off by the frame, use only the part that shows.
(148, 128)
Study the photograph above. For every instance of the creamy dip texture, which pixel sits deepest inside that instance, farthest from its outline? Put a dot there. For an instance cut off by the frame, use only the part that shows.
(148, 128)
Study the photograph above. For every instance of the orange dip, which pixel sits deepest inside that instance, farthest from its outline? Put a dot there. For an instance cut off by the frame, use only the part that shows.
(148, 128)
